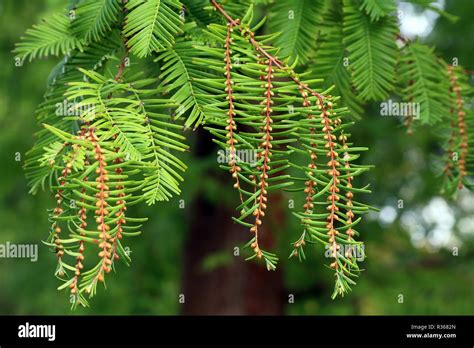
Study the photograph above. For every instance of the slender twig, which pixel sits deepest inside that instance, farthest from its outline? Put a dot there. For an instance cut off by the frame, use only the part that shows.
(247, 33)
(121, 66)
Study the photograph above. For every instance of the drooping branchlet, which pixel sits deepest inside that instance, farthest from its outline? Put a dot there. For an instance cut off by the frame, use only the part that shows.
(265, 154)
(310, 184)
(461, 126)
(101, 204)
(59, 196)
(231, 126)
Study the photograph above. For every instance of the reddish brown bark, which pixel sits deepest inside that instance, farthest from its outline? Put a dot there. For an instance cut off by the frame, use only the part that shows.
(239, 287)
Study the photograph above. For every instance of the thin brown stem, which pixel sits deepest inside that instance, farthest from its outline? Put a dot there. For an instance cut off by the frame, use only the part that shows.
(121, 67)
(221, 10)
(246, 32)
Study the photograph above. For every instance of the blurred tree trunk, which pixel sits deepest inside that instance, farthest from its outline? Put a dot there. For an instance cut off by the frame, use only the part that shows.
(239, 287)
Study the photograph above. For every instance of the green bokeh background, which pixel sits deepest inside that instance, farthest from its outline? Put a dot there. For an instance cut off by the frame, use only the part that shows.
(431, 280)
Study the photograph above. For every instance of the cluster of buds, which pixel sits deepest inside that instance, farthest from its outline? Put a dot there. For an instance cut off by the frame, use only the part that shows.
(309, 184)
(333, 164)
(450, 151)
(265, 153)
(231, 126)
(101, 204)
(59, 201)
(80, 257)
(461, 125)
(82, 214)
(59, 196)
(349, 195)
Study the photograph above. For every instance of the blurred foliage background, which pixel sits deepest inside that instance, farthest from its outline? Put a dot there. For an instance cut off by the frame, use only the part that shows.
(420, 246)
